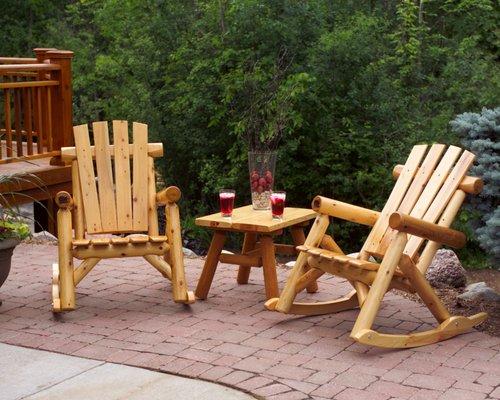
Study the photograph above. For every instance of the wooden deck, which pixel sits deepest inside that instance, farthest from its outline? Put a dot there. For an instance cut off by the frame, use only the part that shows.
(36, 120)
(37, 180)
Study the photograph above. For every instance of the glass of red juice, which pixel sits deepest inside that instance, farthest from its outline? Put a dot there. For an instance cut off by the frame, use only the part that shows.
(226, 199)
(278, 204)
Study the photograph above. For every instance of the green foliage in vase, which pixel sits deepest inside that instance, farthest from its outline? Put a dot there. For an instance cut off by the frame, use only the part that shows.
(480, 132)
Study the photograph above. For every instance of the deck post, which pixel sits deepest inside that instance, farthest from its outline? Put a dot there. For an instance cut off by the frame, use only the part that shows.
(62, 102)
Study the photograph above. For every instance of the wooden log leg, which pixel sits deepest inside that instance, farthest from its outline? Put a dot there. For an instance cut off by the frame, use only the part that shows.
(211, 261)
(424, 289)
(269, 267)
(361, 288)
(316, 233)
(179, 285)
(160, 264)
(299, 238)
(380, 285)
(361, 291)
(84, 268)
(248, 245)
(305, 280)
(329, 244)
(66, 280)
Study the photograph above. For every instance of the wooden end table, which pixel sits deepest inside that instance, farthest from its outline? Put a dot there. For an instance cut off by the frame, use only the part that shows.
(258, 249)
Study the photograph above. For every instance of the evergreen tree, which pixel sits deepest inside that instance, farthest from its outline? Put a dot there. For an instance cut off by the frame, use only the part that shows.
(480, 133)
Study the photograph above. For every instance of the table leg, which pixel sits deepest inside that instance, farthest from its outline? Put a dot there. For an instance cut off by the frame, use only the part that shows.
(299, 238)
(269, 266)
(207, 275)
(248, 245)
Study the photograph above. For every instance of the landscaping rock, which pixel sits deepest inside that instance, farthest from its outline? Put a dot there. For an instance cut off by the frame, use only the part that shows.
(44, 237)
(477, 292)
(189, 253)
(446, 271)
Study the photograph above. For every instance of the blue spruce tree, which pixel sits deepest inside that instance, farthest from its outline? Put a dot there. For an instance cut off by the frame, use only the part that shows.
(479, 133)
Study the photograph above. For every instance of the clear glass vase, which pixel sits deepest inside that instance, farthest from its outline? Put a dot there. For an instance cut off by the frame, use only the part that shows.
(261, 167)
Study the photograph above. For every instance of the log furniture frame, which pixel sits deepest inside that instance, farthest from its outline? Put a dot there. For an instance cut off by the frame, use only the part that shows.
(428, 193)
(259, 249)
(110, 197)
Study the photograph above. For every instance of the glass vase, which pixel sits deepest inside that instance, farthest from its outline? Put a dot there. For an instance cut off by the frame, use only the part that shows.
(261, 167)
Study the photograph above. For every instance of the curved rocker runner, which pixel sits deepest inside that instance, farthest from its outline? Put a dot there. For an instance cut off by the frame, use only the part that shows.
(428, 193)
(125, 205)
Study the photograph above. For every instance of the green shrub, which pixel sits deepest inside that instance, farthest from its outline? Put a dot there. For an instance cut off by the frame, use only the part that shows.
(479, 133)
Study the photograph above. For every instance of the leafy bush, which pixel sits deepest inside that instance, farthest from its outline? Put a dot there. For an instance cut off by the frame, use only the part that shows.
(12, 224)
(364, 81)
(479, 132)
(12, 227)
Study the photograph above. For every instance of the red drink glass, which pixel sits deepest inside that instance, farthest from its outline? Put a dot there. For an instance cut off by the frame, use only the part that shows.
(278, 204)
(226, 198)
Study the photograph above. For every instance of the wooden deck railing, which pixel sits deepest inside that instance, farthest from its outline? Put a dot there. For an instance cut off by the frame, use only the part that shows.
(35, 106)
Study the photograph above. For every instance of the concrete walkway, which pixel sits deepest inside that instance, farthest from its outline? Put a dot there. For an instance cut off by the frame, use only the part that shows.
(36, 374)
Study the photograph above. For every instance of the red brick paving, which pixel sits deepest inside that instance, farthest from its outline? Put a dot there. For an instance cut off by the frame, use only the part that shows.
(126, 315)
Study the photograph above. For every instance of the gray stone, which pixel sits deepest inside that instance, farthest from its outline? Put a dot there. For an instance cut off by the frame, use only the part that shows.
(45, 236)
(479, 291)
(446, 270)
(188, 253)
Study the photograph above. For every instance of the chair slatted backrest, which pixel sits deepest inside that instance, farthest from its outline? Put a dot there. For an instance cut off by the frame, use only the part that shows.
(115, 197)
(423, 190)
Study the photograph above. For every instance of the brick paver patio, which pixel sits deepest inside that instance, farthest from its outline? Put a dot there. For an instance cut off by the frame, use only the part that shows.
(126, 315)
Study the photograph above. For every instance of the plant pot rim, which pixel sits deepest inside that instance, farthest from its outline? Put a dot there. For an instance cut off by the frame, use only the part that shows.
(9, 243)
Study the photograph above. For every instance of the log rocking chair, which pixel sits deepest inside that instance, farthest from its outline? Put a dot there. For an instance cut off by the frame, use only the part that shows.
(126, 205)
(428, 193)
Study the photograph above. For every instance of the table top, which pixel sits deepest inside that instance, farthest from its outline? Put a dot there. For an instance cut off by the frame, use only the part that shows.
(246, 219)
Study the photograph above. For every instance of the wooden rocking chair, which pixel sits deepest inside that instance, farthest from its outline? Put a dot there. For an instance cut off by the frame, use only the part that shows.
(125, 206)
(422, 206)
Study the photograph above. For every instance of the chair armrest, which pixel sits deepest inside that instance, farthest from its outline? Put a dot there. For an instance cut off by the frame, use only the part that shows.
(64, 200)
(345, 211)
(172, 194)
(427, 230)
